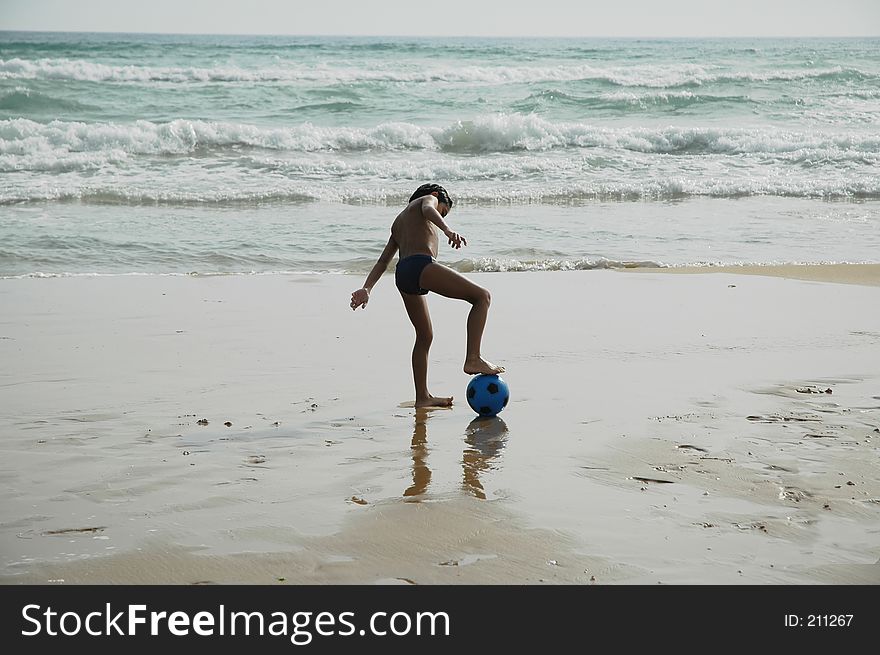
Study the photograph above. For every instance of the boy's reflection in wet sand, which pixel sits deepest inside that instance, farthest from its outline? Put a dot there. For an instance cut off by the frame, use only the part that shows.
(421, 474)
(484, 439)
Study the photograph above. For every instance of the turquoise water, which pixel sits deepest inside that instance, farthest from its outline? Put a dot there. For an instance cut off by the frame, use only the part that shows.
(221, 154)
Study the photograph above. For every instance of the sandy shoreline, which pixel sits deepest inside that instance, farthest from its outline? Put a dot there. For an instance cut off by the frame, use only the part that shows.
(868, 274)
(663, 428)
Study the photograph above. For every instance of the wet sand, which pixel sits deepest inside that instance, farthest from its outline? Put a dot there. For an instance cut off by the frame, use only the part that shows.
(684, 429)
(868, 274)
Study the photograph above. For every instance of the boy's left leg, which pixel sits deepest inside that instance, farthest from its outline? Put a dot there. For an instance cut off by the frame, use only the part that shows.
(417, 309)
(445, 281)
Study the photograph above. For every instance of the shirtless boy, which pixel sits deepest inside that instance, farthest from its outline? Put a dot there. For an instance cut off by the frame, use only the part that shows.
(413, 233)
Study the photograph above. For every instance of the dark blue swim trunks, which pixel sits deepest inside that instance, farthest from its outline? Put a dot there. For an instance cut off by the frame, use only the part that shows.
(409, 272)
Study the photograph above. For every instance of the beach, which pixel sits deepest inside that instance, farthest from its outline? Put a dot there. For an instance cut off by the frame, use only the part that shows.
(680, 237)
(714, 428)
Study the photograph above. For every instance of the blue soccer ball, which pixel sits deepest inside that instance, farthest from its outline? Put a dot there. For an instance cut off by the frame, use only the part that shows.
(487, 394)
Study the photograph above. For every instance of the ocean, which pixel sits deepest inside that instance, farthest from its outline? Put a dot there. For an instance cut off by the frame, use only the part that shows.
(177, 154)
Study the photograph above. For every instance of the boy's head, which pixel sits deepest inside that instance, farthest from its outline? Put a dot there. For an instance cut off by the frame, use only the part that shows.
(433, 189)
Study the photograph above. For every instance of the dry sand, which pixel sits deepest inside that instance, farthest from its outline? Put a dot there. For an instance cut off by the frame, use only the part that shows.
(664, 428)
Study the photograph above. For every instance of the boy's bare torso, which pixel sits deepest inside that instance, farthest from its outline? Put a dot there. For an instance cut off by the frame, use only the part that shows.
(414, 234)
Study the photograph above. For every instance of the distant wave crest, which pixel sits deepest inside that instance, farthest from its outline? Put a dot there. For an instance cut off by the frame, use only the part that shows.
(24, 100)
(497, 133)
(639, 75)
(498, 194)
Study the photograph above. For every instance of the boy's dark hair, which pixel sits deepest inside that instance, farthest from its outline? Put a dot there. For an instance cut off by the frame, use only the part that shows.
(428, 189)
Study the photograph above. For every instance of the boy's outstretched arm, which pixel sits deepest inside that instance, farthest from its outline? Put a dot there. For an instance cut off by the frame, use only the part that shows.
(429, 211)
(361, 297)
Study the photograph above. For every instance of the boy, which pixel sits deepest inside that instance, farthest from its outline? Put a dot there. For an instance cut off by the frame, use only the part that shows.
(418, 273)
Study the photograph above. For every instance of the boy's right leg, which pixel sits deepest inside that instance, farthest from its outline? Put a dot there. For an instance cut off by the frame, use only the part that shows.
(417, 310)
(443, 280)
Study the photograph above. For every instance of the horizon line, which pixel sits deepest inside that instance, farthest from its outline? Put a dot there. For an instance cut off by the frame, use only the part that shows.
(451, 36)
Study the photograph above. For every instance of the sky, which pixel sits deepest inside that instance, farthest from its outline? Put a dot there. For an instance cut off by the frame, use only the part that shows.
(608, 18)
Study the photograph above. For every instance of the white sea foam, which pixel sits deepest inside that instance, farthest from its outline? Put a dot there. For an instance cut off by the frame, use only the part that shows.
(504, 265)
(484, 265)
(638, 75)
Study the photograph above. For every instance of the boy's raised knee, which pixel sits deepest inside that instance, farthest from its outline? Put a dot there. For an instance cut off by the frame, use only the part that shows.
(482, 297)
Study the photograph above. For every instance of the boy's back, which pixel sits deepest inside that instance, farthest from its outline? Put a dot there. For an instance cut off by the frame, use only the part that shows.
(413, 232)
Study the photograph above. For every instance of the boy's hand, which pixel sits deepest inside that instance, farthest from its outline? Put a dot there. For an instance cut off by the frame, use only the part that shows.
(360, 298)
(455, 239)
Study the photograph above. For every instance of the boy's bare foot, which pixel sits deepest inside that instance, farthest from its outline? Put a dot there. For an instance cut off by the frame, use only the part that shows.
(434, 401)
(477, 365)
